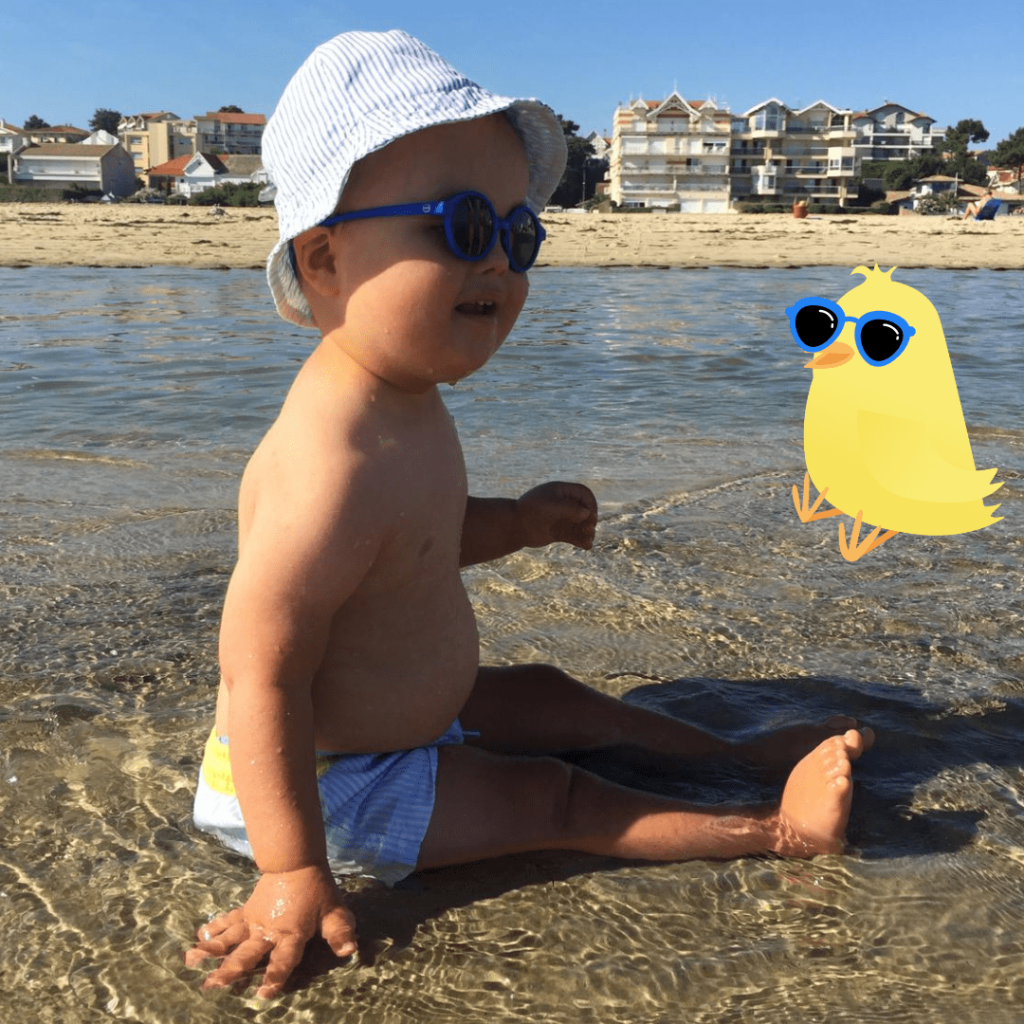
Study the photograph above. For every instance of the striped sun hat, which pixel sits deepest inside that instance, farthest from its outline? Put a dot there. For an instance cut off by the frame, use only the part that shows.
(354, 95)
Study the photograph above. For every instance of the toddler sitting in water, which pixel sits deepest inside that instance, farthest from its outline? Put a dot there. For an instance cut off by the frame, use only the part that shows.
(356, 731)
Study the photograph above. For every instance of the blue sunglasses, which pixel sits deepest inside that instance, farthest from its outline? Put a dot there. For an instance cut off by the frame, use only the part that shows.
(817, 322)
(471, 227)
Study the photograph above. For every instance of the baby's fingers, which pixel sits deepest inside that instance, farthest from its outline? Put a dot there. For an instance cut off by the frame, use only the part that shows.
(284, 958)
(339, 931)
(240, 965)
(218, 938)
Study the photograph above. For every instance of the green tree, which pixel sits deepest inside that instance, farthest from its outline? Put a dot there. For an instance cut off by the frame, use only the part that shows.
(1010, 153)
(105, 120)
(582, 170)
(960, 163)
(230, 110)
(900, 175)
(34, 122)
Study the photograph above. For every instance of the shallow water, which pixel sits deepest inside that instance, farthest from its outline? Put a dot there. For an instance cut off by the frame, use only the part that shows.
(130, 400)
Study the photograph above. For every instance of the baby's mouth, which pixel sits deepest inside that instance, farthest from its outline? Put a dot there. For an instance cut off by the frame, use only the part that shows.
(476, 308)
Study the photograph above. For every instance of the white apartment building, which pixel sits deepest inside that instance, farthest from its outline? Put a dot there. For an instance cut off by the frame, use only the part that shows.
(894, 132)
(696, 157)
(785, 156)
(671, 154)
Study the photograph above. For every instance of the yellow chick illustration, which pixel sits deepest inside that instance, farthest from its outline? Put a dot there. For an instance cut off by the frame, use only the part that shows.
(884, 433)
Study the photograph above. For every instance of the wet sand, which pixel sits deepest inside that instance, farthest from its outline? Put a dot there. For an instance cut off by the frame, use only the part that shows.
(131, 235)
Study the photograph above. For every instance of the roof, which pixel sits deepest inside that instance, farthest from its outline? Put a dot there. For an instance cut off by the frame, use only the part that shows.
(56, 129)
(66, 149)
(214, 160)
(889, 104)
(938, 177)
(172, 168)
(823, 103)
(764, 103)
(235, 118)
(241, 163)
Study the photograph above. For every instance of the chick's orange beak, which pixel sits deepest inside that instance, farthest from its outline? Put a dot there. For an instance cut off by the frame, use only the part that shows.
(835, 355)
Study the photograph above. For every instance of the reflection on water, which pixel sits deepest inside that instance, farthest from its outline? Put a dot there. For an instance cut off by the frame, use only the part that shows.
(130, 400)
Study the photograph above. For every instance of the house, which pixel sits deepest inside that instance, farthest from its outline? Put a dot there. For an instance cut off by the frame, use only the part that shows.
(894, 132)
(167, 177)
(222, 132)
(54, 134)
(670, 154)
(791, 155)
(62, 165)
(190, 175)
(1006, 178)
(12, 140)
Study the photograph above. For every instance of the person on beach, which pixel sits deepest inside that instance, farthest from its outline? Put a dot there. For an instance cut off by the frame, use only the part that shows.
(355, 730)
(973, 209)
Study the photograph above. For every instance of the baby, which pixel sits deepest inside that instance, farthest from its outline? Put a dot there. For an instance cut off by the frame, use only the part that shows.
(356, 731)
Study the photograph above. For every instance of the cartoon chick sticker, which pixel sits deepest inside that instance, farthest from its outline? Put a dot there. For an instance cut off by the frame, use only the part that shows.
(884, 433)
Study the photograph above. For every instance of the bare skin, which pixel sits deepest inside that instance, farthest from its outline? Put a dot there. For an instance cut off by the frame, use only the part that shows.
(346, 625)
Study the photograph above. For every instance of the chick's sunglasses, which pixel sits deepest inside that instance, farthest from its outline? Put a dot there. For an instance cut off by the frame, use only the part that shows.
(471, 227)
(817, 322)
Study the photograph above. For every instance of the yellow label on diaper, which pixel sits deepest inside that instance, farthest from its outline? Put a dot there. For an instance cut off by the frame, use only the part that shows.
(217, 766)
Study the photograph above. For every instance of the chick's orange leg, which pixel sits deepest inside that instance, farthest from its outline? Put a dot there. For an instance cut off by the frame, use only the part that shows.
(810, 515)
(858, 548)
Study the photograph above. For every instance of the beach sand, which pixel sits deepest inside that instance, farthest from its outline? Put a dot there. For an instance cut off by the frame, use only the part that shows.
(132, 235)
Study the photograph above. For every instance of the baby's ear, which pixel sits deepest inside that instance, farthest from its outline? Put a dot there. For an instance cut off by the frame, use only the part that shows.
(315, 260)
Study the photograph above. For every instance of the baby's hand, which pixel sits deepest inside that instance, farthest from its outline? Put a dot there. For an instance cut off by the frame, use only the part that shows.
(557, 511)
(283, 913)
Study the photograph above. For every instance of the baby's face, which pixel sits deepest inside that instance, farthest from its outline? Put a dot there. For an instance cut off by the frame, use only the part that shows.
(414, 313)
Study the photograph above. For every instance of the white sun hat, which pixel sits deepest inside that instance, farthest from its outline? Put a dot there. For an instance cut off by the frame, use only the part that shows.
(354, 95)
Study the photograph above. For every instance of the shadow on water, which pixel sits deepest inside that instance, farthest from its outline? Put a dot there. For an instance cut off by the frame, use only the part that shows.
(918, 742)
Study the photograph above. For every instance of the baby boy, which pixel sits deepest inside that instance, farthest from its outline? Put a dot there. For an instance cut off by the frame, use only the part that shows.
(356, 731)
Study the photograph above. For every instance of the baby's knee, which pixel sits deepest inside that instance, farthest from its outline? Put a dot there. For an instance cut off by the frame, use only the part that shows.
(570, 795)
(552, 782)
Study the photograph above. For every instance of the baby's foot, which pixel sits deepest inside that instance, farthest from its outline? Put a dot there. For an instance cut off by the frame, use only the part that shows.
(780, 750)
(816, 801)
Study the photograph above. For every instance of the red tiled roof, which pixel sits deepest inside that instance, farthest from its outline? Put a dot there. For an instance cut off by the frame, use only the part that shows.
(56, 129)
(237, 118)
(173, 168)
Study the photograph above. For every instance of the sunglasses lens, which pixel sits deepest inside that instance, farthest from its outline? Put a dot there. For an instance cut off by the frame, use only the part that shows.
(880, 339)
(472, 226)
(815, 326)
(523, 239)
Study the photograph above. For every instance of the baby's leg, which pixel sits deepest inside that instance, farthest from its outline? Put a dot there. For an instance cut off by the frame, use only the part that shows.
(489, 805)
(538, 709)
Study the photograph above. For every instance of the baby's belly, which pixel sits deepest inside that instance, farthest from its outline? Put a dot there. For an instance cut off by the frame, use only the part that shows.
(401, 690)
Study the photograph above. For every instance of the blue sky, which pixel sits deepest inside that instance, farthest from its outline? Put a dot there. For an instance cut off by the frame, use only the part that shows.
(61, 59)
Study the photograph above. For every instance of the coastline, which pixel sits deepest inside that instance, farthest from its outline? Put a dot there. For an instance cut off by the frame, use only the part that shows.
(134, 235)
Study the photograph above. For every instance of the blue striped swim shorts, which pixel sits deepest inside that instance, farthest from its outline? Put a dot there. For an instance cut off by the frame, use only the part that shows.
(376, 807)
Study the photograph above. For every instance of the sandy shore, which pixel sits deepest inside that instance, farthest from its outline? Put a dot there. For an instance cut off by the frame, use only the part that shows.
(65, 234)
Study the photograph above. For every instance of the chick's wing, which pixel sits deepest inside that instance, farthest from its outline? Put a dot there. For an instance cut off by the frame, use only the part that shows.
(902, 455)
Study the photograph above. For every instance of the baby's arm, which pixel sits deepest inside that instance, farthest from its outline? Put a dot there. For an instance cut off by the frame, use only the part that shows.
(554, 511)
(301, 560)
